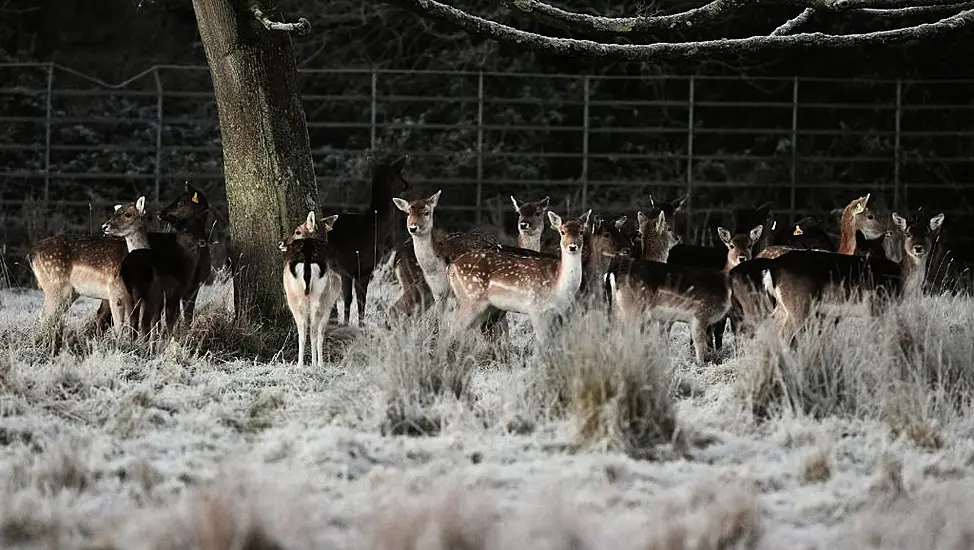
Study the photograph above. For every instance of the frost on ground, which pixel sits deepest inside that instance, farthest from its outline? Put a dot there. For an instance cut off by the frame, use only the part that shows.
(860, 437)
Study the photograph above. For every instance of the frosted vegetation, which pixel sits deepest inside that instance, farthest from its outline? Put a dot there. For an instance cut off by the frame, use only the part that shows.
(611, 439)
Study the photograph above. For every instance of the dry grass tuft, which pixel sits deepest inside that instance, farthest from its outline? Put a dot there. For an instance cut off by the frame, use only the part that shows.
(817, 466)
(416, 371)
(617, 384)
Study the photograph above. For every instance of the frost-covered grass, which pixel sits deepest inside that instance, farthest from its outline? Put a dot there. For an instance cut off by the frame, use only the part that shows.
(859, 437)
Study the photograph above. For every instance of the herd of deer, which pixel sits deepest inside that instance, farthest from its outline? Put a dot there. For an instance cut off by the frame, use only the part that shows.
(763, 268)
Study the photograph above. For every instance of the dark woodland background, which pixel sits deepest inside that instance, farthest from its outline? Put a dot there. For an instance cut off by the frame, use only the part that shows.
(122, 38)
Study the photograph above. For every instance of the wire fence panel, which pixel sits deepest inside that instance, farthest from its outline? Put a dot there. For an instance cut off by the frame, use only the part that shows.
(72, 145)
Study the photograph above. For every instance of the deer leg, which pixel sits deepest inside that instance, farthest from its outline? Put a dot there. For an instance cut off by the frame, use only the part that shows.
(189, 307)
(361, 293)
(301, 320)
(103, 316)
(698, 330)
(56, 306)
(347, 283)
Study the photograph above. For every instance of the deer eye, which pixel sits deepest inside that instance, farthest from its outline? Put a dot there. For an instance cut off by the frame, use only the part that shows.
(128, 214)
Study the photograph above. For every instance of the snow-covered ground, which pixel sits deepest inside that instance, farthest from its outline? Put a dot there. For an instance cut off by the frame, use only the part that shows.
(866, 442)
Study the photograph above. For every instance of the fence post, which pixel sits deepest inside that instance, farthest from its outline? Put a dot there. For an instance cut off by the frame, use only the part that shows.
(691, 101)
(47, 133)
(897, 194)
(480, 146)
(794, 145)
(159, 122)
(373, 108)
(586, 82)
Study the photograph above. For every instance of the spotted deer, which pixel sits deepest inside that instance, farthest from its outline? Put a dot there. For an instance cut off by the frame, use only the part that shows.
(68, 266)
(802, 278)
(149, 286)
(530, 222)
(312, 283)
(490, 279)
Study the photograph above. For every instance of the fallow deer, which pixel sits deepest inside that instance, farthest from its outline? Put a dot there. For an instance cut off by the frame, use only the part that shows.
(802, 278)
(856, 217)
(184, 257)
(669, 210)
(804, 234)
(530, 222)
(361, 240)
(655, 237)
(149, 285)
(490, 279)
(312, 283)
(67, 266)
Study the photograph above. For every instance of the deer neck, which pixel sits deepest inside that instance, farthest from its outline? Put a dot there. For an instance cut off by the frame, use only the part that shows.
(914, 270)
(847, 232)
(531, 242)
(432, 265)
(137, 240)
(569, 276)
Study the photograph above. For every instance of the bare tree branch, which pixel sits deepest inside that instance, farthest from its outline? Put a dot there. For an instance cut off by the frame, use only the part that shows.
(301, 27)
(713, 12)
(479, 26)
(790, 25)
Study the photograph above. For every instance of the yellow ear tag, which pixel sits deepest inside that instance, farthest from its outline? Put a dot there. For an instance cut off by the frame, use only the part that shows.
(196, 198)
(859, 208)
(798, 230)
(774, 225)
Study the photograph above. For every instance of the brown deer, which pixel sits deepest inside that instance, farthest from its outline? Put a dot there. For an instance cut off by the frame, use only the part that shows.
(361, 240)
(802, 278)
(656, 239)
(149, 286)
(188, 216)
(530, 222)
(491, 279)
(856, 216)
(312, 283)
(67, 266)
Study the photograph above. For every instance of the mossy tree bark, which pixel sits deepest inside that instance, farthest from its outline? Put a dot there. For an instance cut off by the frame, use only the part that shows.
(267, 161)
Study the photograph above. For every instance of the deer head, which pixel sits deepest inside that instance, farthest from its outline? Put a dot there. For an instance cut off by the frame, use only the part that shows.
(127, 219)
(655, 236)
(390, 173)
(572, 232)
(530, 219)
(739, 247)
(607, 239)
(191, 205)
(920, 235)
(309, 229)
(419, 214)
(865, 220)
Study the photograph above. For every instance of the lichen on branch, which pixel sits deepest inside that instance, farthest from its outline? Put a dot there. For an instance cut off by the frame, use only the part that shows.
(301, 26)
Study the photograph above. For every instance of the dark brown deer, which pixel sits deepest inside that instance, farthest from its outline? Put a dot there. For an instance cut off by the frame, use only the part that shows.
(361, 240)
(312, 283)
(68, 266)
(802, 278)
(491, 279)
(150, 286)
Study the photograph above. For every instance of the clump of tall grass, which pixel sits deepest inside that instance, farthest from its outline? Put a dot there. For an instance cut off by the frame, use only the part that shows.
(614, 379)
(912, 367)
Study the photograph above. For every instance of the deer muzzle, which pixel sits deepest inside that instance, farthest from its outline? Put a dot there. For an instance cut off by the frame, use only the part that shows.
(523, 226)
(573, 247)
(413, 229)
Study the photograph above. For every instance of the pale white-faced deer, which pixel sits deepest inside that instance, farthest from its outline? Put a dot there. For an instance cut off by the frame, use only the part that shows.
(312, 283)
(531, 220)
(802, 278)
(149, 285)
(486, 280)
(361, 240)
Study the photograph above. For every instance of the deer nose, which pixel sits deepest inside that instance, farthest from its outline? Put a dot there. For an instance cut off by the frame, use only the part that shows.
(413, 229)
(523, 226)
(572, 247)
(626, 251)
(105, 227)
(918, 249)
(741, 259)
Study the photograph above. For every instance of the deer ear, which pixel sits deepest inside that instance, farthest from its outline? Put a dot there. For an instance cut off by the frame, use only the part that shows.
(555, 220)
(586, 216)
(401, 204)
(140, 204)
(756, 233)
(435, 199)
(660, 222)
(641, 218)
(621, 222)
(330, 222)
(678, 204)
(936, 221)
(724, 235)
(400, 163)
(312, 226)
(900, 221)
(774, 225)
(516, 207)
(652, 203)
(117, 206)
(544, 202)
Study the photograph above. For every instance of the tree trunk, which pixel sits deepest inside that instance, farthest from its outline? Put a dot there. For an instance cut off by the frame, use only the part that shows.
(266, 154)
